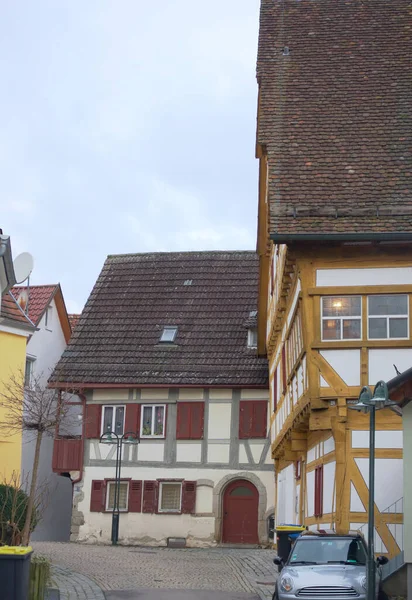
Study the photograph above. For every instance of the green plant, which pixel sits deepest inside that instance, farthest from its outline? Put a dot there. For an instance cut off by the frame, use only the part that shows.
(13, 508)
(39, 577)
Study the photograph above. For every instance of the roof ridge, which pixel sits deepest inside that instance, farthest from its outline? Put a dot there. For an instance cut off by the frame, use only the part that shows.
(185, 252)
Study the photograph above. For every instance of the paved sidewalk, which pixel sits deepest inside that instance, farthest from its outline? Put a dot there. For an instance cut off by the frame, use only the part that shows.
(83, 571)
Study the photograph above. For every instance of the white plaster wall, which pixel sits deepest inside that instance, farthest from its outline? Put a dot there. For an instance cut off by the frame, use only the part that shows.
(346, 363)
(185, 394)
(351, 277)
(329, 445)
(218, 453)
(154, 393)
(355, 501)
(148, 451)
(220, 394)
(254, 394)
(256, 450)
(219, 421)
(148, 529)
(407, 469)
(285, 511)
(328, 486)
(310, 494)
(242, 454)
(109, 395)
(388, 479)
(381, 363)
(188, 452)
(383, 439)
(46, 346)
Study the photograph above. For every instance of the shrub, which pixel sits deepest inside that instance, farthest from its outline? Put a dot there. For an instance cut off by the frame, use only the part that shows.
(13, 506)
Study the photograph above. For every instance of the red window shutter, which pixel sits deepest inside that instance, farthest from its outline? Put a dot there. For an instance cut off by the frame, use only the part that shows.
(93, 420)
(259, 420)
(183, 420)
(316, 492)
(131, 423)
(189, 497)
(150, 496)
(97, 498)
(275, 390)
(197, 419)
(321, 491)
(245, 419)
(284, 368)
(135, 496)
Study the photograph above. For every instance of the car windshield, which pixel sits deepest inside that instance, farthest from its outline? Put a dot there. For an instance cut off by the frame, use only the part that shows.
(328, 550)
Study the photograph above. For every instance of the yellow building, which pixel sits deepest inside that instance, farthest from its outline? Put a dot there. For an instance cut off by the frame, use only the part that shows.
(334, 241)
(15, 328)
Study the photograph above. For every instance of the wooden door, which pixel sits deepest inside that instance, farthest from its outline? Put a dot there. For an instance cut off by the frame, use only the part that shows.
(240, 513)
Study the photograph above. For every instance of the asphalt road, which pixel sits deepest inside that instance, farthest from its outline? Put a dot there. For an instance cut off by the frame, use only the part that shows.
(178, 595)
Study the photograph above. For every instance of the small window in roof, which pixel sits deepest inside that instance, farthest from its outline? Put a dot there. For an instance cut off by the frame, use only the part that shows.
(168, 334)
(188, 282)
(253, 313)
(252, 337)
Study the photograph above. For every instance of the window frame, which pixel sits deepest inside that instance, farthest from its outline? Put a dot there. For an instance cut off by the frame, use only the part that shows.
(114, 406)
(159, 503)
(28, 376)
(47, 317)
(341, 319)
(108, 483)
(252, 332)
(173, 328)
(152, 436)
(388, 317)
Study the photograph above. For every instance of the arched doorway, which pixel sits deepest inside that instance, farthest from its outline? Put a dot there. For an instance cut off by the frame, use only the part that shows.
(240, 513)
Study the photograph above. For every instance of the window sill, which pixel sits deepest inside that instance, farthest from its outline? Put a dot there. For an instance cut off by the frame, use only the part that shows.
(152, 437)
(169, 512)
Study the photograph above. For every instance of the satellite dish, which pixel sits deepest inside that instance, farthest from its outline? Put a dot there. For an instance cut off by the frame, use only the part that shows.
(23, 266)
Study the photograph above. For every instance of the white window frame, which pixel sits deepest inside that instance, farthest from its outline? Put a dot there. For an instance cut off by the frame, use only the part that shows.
(341, 319)
(251, 331)
(388, 317)
(152, 435)
(28, 380)
(108, 484)
(114, 406)
(168, 510)
(47, 318)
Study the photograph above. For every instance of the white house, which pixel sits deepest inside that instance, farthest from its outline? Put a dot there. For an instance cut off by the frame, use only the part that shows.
(166, 349)
(45, 306)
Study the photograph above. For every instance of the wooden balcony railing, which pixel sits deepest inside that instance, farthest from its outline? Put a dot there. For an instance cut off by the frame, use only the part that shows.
(67, 455)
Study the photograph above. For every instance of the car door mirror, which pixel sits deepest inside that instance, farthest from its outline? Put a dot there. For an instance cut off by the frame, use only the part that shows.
(382, 560)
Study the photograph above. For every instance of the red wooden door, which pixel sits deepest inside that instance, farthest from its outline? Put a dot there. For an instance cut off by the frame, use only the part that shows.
(240, 513)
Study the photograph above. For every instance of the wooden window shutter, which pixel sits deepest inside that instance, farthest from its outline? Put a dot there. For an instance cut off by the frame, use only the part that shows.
(272, 277)
(97, 497)
(275, 390)
(316, 510)
(183, 420)
(245, 419)
(283, 368)
(259, 419)
(189, 497)
(93, 420)
(197, 418)
(132, 420)
(150, 489)
(319, 491)
(135, 496)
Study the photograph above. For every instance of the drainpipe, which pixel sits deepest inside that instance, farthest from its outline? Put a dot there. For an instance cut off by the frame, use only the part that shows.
(80, 477)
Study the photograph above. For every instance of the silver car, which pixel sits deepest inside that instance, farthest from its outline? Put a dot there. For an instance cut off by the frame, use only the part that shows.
(326, 566)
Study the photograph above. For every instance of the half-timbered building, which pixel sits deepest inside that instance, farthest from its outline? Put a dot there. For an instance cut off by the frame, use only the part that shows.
(166, 348)
(334, 242)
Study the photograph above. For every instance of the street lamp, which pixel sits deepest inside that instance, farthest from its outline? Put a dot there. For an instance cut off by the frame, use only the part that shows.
(110, 437)
(370, 403)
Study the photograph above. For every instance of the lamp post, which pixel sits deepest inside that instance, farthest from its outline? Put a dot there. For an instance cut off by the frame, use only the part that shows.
(370, 403)
(110, 437)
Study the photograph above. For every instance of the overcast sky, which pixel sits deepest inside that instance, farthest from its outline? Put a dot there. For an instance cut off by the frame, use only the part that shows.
(126, 126)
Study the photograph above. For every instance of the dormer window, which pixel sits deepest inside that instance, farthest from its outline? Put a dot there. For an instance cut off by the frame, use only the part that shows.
(252, 337)
(168, 334)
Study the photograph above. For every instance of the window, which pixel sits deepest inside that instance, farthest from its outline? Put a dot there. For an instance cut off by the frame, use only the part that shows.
(28, 373)
(388, 317)
(48, 317)
(170, 499)
(123, 495)
(153, 420)
(113, 419)
(252, 338)
(190, 420)
(341, 318)
(319, 491)
(168, 334)
(298, 469)
(253, 419)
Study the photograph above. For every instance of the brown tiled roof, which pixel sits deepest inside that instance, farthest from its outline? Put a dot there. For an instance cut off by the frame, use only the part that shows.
(11, 312)
(335, 115)
(117, 338)
(73, 320)
(40, 297)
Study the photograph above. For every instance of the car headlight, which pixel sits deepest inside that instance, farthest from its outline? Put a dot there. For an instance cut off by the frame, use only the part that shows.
(286, 583)
(363, 582)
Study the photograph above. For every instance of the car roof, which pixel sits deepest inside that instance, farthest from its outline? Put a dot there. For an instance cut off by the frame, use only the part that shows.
(322, 533)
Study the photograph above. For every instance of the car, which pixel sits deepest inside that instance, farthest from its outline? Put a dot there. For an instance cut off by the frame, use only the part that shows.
(323, 564)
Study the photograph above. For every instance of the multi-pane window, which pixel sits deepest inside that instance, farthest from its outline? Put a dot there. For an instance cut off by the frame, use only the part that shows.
(28, 374)
(48, 317)
(341, 318)
(252, 337)
(123, 495)
(113, 419)
(170, 498)
(388, 317)
(153, 420)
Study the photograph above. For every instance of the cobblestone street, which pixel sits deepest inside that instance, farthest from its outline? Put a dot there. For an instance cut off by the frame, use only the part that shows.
(85, 572)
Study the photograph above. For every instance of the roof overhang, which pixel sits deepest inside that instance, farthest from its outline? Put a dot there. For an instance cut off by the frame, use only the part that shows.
(400, 390)
(7, 276)
(287, 238)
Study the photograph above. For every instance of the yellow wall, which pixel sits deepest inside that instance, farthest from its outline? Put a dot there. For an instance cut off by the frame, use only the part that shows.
(12, 360)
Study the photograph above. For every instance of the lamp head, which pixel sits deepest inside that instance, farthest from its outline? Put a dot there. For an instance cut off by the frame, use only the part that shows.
(363, 404)
(108, 438)
(130, 438)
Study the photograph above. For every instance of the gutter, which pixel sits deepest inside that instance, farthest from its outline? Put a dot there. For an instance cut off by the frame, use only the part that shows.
(5, 254)
(286, 238)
